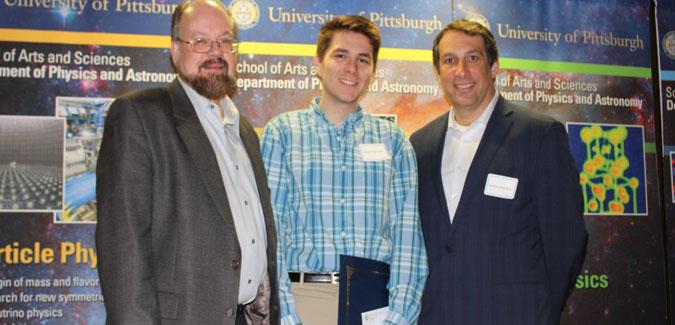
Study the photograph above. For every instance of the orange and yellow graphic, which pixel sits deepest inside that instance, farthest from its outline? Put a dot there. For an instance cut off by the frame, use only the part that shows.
(606, 188)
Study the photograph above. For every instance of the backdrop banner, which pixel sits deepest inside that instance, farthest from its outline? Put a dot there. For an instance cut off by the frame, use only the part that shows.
(586, 63)
(665, 19)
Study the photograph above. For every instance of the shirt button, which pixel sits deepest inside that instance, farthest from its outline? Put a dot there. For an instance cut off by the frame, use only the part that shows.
(448, 249)
(342, 201)
(236, 166)
(229, 312)
(253, 241)
(249, 281)
(338, 138)
(343, 234)
(235, 264)
(343, 167)
(245, 202)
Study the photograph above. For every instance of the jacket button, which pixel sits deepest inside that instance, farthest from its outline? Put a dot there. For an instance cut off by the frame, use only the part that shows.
(235, 264)
(448, 249)
(229, 312)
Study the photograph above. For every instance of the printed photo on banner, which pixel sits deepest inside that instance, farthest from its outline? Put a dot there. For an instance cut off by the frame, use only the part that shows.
(611, 163)
(31, 163)
(84, 118)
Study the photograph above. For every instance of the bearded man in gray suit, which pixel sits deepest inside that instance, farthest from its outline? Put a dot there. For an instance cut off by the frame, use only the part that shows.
(185, 231)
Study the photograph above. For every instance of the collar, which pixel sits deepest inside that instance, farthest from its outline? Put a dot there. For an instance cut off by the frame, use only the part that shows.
(203, 106)
(351, 121)
(481, 122)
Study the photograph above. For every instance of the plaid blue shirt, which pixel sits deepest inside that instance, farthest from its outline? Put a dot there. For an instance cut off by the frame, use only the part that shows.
(328, 201)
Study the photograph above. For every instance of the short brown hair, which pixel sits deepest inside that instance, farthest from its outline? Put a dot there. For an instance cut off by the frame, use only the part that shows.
(473, 29)
(180, 9)
(354, 23)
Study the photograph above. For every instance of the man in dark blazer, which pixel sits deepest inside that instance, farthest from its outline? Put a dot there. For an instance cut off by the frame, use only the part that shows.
(499, 197)
(185, 231)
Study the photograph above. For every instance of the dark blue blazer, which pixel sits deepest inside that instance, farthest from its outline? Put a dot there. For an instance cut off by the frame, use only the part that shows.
(502, 261)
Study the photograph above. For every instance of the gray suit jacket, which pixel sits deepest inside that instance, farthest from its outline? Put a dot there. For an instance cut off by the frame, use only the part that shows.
(166, 242)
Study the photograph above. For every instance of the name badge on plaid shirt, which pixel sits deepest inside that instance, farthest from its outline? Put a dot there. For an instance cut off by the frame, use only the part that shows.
(374, 152)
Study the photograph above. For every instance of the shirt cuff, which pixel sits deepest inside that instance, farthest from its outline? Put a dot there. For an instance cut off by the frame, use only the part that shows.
(292, 319)
(394, 318)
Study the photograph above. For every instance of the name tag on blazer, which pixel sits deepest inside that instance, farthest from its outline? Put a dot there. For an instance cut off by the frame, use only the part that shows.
(503, 187)
(374, 152)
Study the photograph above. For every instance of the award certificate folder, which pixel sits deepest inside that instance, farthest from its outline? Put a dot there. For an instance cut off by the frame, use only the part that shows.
(363, 287)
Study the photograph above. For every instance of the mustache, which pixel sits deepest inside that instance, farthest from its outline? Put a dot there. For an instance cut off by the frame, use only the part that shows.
(214, 61)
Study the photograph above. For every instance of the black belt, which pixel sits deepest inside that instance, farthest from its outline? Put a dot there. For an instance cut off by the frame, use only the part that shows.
(315, 277)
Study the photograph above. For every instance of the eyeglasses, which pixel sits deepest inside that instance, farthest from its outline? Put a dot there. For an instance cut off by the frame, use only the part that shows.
(201, 45)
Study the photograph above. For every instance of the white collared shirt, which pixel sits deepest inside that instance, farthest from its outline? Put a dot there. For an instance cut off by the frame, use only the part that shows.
(461, 144)
(240, 186)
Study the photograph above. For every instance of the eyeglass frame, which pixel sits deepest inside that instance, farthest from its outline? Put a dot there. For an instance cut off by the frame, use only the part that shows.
(235, 44)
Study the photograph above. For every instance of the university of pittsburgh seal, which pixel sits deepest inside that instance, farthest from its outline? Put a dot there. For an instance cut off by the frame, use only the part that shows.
(478, 18)
(245, 12)
(668, 44)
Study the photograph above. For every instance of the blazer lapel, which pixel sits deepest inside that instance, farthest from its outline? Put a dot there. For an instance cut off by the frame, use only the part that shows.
(252, 146)
(436, 149)
(198, 145)
(495, 133)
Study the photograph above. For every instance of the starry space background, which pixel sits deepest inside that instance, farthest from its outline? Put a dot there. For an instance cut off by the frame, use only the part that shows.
(666, 27)
(628, 250)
